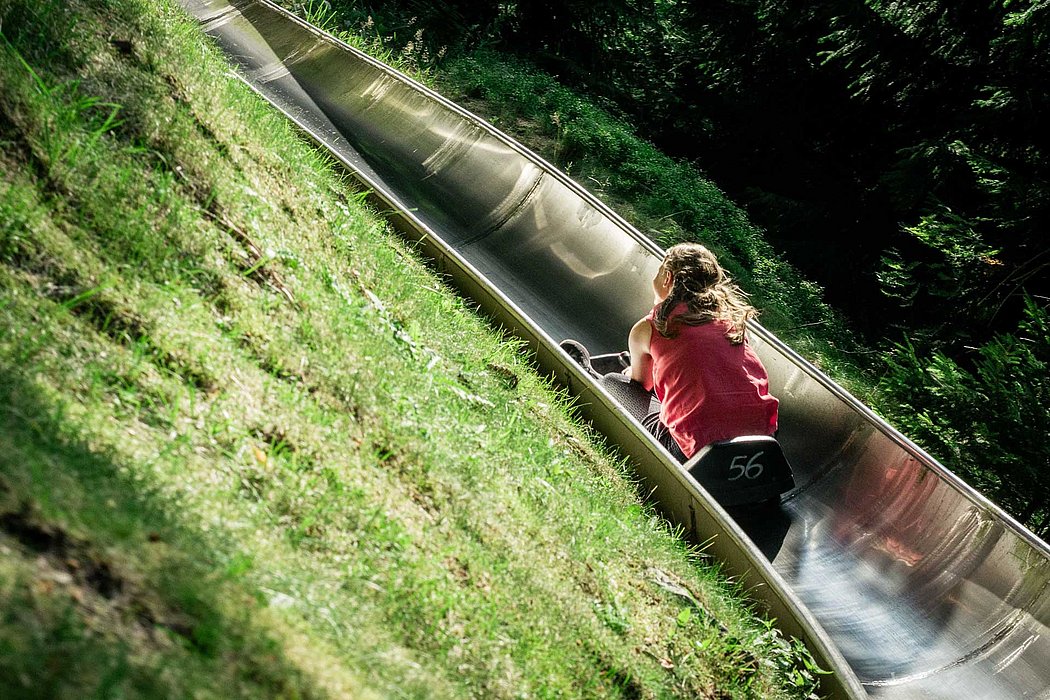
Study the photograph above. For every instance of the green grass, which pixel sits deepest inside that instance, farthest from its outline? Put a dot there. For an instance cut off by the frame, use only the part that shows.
(245, 450)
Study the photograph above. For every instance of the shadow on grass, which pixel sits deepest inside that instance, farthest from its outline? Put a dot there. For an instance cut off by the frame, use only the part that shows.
(103, 590)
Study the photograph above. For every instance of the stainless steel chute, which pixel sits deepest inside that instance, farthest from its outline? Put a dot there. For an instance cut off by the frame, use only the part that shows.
(901, 578)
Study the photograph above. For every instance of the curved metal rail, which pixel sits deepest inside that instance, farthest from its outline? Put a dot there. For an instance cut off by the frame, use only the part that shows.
(900, 578)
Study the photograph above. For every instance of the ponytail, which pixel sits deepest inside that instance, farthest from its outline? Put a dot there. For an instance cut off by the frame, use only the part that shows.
(709, 294)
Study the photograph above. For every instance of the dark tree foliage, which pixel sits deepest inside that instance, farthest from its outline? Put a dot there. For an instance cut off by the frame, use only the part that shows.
(989, 421)
(898, 140)
(777, 129)
(570, 36)
(962, 90)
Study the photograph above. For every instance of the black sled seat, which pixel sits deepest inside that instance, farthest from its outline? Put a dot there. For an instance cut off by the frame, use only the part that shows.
(744, 470)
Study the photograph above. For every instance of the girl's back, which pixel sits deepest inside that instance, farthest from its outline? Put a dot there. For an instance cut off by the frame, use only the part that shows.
(710, 388)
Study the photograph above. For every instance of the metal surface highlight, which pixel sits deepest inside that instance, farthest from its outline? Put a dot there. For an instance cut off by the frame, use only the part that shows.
(898, 576)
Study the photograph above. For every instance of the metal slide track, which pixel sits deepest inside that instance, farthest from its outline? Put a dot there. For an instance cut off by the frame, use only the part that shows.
(898, 576)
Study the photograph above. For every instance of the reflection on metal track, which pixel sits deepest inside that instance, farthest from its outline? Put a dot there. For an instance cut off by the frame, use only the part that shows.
(898, 576)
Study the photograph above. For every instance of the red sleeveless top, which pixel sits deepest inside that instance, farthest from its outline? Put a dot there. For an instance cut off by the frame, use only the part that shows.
(710, 389)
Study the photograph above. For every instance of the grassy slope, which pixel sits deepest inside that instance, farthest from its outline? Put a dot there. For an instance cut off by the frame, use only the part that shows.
(244, 449)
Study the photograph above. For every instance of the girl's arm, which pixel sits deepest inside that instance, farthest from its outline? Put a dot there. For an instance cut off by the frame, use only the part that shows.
(641, 369)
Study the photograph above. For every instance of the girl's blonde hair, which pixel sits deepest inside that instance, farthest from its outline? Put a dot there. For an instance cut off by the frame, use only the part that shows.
(698, 280)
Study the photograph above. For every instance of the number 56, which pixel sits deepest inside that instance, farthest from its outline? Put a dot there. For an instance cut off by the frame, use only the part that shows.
(750, 470)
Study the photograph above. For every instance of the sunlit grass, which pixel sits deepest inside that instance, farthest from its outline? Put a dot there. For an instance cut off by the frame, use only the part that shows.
(253, 447)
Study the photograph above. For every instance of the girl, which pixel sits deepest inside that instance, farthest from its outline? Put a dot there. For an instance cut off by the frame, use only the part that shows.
(691, 349)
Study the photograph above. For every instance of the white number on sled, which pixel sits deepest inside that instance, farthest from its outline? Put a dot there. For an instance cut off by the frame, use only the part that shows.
(751, 470)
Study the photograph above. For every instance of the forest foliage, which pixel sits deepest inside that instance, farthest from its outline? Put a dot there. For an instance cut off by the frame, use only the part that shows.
(897, 153)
